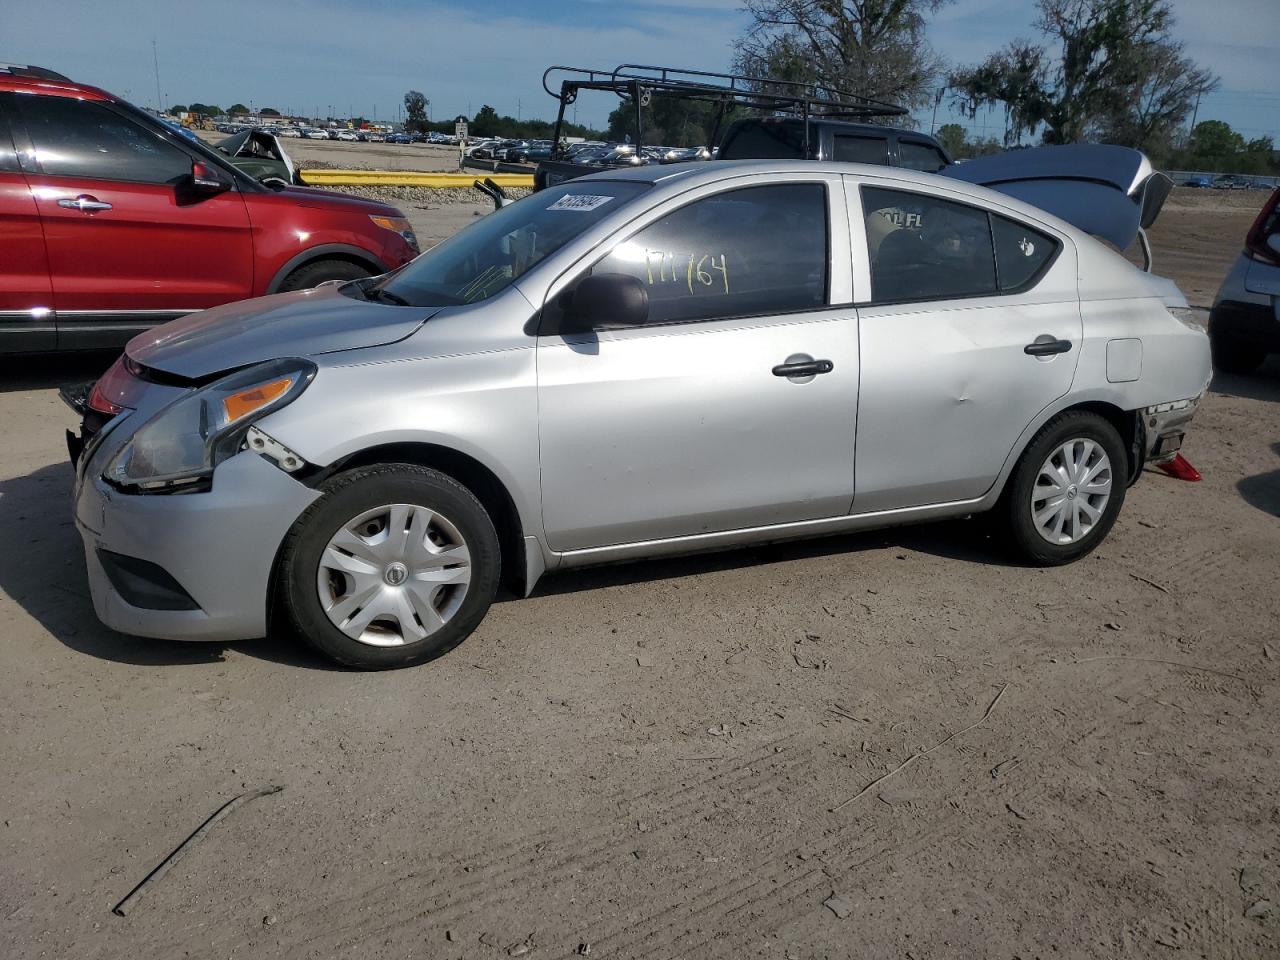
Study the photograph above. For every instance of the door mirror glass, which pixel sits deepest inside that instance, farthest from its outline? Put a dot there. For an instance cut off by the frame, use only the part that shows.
(605, 300)
(1273, 242)
(208, 179)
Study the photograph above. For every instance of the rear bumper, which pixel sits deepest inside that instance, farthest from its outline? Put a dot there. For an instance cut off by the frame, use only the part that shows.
(1166, 425)
(218, 548)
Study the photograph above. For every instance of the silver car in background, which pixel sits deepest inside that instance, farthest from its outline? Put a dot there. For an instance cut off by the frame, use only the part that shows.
(653, 361)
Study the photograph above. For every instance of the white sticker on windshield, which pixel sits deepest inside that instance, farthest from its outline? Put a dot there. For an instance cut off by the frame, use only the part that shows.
(579, 202)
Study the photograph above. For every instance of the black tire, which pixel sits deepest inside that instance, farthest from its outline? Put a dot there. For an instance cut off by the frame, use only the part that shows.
(1015, 505)
(1233, 355)
(317, 272)
(346, 496)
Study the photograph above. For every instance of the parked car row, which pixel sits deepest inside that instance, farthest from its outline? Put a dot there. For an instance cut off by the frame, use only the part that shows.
(1226, 181)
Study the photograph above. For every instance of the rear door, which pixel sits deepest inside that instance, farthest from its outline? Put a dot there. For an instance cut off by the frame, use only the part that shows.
(26, 297)
(969, 326)
(127, 244)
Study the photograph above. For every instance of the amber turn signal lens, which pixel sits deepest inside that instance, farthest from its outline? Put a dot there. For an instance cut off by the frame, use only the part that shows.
(245, 402)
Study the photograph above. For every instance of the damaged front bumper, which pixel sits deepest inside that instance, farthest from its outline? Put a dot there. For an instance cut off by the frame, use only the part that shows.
(1165, 426)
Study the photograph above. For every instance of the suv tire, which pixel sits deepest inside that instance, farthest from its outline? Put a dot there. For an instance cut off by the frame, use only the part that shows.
(346, 579)
(315, 273)
(1072, 453)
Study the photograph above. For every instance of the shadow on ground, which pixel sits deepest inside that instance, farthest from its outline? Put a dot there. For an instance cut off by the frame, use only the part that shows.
(1263, 490)
(50, 371)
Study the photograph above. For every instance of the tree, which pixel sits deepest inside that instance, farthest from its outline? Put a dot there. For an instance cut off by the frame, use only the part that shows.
(205, 109)
(485, 122)
(237, 108)
(952, 136)
(870, 48)
(269, 112)
(178, 108)
(1117, 73)
(415, 111)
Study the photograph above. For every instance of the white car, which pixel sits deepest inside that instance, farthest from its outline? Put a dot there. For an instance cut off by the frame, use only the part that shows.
(348, 135)
(289, 132)
(314, 134)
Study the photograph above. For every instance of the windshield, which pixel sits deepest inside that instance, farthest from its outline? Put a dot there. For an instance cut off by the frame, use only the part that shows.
(491, 254)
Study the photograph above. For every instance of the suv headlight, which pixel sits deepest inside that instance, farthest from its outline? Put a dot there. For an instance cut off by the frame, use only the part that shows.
(185, 441)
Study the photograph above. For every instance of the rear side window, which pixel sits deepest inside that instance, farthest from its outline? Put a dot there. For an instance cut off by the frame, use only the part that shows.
(755, 140)
(926, 248)
(758, 250)
(920, 156)
(1021, 253)
(79, 138)
(850, 149)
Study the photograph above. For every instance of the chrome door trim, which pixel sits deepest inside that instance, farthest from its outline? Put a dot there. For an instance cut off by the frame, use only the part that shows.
(703, 542)
(172, 312)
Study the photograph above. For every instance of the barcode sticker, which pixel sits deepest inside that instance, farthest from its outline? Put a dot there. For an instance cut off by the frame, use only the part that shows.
(579, 202)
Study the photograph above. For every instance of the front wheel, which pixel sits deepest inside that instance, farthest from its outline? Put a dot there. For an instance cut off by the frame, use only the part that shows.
(395, 564)
(1067, 489)
(313, 274)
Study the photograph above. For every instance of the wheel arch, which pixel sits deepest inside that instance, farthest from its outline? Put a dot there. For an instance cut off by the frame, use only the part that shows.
(327, 251)
(519, 571)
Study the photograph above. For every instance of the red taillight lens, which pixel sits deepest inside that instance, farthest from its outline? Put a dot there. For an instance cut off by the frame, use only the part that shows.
(117, 389)
(1266, 227)
(1180, 469)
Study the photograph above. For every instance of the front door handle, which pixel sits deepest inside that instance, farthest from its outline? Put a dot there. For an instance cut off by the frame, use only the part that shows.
(803, 368)
(1046, 345)
(84, 203)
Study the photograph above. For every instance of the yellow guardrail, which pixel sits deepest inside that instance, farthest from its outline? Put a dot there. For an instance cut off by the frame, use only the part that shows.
(409, 178)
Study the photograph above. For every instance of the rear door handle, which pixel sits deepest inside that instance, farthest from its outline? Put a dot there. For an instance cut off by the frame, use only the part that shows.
(804, 368)
(1046, 345)
(84, 203)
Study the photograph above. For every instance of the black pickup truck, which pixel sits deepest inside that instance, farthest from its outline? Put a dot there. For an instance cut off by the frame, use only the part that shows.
(799, 122)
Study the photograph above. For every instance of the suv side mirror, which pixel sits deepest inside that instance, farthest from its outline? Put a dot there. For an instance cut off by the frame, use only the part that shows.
(605, 299)
(207, 179)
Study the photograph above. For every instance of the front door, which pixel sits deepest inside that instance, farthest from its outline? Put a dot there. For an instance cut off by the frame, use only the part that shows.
(734, 406)
(973, 327)
(128, 245)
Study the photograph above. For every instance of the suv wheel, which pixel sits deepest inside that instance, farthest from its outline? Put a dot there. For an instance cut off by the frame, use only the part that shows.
(313, 274)
(1234, 356)
(1066, 490)
(395, 564)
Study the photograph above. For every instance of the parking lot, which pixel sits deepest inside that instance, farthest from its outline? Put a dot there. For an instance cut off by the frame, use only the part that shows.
(673, 758)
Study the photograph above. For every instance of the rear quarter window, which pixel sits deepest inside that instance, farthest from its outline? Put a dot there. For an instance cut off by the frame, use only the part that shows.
(1022, 254)
(920, 156)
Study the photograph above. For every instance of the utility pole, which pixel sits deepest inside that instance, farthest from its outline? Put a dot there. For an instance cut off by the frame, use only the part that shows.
(937, 99)
(155, 58)
(519, 108)
(1194, 113)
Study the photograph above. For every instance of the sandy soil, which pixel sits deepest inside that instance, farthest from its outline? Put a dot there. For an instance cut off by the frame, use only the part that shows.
(658, 760)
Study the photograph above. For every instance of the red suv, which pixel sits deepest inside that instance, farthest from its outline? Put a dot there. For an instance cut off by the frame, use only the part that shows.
(111, 222)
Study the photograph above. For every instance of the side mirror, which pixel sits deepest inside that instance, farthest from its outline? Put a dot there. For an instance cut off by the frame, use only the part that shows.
(1273, 242)
(605, 300)
(207, 179)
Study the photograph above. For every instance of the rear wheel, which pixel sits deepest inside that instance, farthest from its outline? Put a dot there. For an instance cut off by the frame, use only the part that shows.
(395, 564)
(313, 274)
(1066, 490)
(1234, 355)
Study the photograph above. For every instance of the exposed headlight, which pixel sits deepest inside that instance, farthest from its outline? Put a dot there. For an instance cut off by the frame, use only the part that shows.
(183, 443)
(397, 225)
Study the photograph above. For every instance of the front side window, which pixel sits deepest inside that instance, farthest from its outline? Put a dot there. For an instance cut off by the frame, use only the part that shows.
(920, 156)
(80, 138)
(494, 252)
(926, 248)
(746, 252)
(848, 149)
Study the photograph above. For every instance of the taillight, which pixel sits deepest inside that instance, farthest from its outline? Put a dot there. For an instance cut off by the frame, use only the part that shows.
(1265, 232)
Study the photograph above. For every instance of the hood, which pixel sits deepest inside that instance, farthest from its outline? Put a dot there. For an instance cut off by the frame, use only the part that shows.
(1108, 191)
(329, 199)
(299, 324)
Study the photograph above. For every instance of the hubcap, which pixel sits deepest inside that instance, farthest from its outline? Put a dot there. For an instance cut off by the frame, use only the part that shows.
(1071, 491)
(394, 575)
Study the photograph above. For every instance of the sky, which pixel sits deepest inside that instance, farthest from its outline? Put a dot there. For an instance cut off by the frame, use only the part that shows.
(358, 57)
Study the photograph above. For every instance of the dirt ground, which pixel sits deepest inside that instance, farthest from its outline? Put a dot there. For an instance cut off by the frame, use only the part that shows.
(689, 758)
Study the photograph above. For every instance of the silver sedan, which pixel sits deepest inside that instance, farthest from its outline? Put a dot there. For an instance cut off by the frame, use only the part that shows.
(638, 363)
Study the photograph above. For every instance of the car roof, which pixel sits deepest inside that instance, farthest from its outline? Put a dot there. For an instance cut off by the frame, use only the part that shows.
(11, 83)
(683, 176)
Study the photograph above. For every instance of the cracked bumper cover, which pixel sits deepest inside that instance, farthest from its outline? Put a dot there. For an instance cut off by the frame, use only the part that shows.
(1166, 424)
